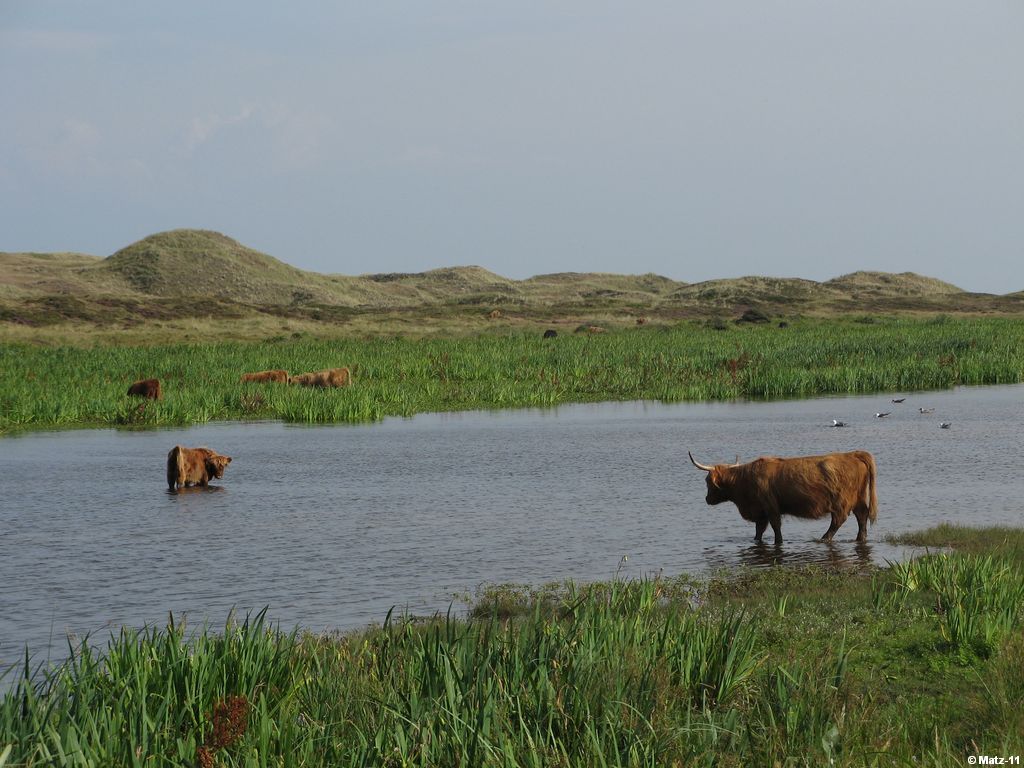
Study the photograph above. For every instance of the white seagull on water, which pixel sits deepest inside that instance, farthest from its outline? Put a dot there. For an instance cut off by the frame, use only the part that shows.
(925, 410)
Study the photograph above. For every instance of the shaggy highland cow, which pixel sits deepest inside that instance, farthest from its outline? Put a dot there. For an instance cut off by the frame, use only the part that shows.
(194, 466)
(332, 377)
(146, 388)
(805, 486)
(277, 376)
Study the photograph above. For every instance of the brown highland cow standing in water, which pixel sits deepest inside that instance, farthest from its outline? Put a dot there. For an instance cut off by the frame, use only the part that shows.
(146, 388)
(812, 487)
(332, 377)
(276, 376)
(194, 466)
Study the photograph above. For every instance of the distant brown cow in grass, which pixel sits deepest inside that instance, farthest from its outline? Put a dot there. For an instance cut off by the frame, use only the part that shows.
(332, 377)
(277, 376)
(194, 466)
(146, 388)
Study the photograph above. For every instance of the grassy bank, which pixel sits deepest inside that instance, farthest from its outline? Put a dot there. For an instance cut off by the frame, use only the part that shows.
(69, 387)
(919, 664)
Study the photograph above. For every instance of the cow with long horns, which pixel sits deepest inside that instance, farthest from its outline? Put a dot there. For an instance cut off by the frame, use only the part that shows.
(805, 486)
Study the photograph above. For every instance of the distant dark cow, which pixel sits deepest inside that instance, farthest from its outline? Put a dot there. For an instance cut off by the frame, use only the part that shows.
(550, 333)
(277, 376)
(807, 486)
(146, 388)
(332, 377)
(194, 466)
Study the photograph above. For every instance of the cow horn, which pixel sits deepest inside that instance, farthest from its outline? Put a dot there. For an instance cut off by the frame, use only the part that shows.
(705, 467)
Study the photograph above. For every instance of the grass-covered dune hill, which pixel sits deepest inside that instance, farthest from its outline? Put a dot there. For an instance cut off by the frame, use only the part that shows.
(206, 283)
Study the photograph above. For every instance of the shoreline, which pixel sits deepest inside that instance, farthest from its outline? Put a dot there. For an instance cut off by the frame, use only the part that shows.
(898, 662)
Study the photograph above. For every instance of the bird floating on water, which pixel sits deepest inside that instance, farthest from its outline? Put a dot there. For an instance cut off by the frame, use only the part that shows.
(925, 410)
(898, 399)
(838, 423)
(882, 415)
(944, 424)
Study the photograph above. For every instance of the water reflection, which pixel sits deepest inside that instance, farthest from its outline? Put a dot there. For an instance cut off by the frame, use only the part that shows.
(186, 489)
(856, 555)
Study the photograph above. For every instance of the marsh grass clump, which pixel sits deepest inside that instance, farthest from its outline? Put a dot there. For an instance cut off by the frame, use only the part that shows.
(978, 599)
(153, 696)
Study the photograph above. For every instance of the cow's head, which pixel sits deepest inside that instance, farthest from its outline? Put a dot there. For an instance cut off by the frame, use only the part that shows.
(717, 480)
(215, 464)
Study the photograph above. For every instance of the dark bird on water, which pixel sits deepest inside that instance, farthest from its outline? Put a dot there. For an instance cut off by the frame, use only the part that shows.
(944, 424)
(838, 423)
(882, 415)
(898, 399)
(925, 410)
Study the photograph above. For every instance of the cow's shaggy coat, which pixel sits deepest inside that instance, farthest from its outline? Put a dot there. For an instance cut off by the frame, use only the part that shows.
(194, 466)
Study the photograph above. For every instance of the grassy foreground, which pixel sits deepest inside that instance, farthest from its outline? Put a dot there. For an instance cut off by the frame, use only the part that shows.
(44, 387)
(920, 664)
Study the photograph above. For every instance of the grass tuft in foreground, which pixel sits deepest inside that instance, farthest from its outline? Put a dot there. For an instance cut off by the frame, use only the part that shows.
(917, 664)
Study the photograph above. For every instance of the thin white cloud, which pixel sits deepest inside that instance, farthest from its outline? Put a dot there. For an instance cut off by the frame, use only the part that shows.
(296, 136)
(291, 138)
(75, 149)
(203, 129)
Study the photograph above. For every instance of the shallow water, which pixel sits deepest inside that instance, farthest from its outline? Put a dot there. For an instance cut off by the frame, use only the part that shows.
(332, 526)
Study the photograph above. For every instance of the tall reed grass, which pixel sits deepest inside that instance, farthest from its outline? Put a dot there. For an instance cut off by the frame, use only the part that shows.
(631, 673)
(979, 599)
(67, 387)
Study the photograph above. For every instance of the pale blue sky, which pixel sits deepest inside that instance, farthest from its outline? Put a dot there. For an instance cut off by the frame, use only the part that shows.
(693, 139)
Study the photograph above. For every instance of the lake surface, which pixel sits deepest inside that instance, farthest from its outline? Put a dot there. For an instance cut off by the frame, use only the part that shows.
(332, 526)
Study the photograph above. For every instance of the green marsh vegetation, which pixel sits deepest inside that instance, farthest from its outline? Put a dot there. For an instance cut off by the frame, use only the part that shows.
(43, 387)
(761, 667)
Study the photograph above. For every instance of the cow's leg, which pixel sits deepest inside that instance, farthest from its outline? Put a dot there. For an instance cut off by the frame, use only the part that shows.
(759, 527)
(831, 530)
(776, 522)
(839, 515)
(862, 524)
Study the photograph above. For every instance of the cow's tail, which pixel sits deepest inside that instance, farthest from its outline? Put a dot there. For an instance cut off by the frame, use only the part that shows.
(870, 492)
(175, 467)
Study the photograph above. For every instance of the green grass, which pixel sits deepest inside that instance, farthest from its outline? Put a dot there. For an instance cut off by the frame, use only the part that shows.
(779, 667)
(70, 387)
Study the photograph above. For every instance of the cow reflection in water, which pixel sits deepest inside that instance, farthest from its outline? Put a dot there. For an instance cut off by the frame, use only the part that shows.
(806, 486)
(834, 556)
(196, 489)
